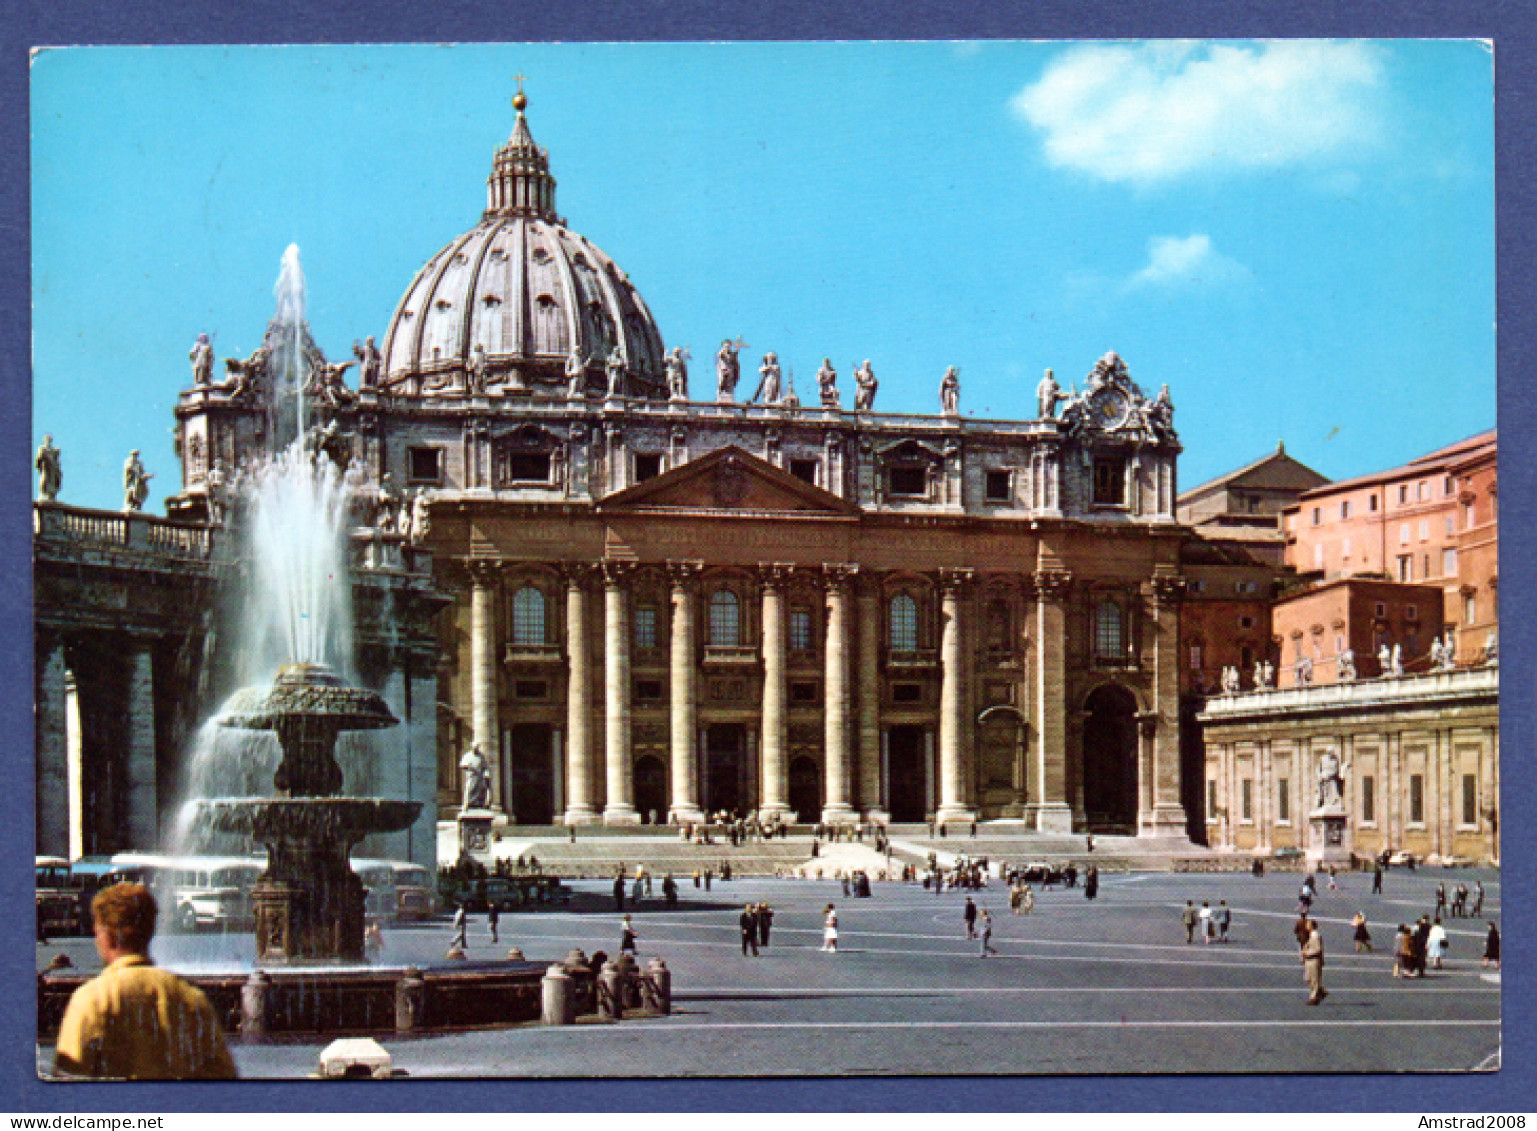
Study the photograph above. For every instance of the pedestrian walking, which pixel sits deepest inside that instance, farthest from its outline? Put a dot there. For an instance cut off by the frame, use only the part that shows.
(1460, 901)
(1016, 897)
(1436, 943)
(1333, 883)
(1478, 898)
(1403, 953)
(670, 891)
(1301, 929)
(765, 923)
(1313, 964)
(493, 918)
(1224, 920)
(709, 875)
(1362, 936)
(627, 937)
(461, 930)
(619, 892)
(1091, 883)
(1027, 901)
(1187, 919)
(1492, 947)
(987, 935)
(830, 928)
(748, 921)
(969, 915)
(1440, 900)
(1421, 944)
(1377, 879)
(1208, 927)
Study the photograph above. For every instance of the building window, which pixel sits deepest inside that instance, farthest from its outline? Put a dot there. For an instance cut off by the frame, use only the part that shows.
(1109, 482)
(530, 689)
(528, 617)
(648, 465)
(1245, 622)
(1422, 490)
(645, 626)
(907, 693)
(1318, 556)
(424, 465)
(1403, 492)
(528, 467)
(1318, 515)
(999, 629)
(1451, 525)
(1416, 799)
(1406, 567)
(1345, 509)
(1248, 799)
(998, 490)
(1345, 549)
(1368, 799)
(803, 691)
(1371, 502)
(904, 623)
(1469, 609)
(648, 690)
(1411, 612)
(1424, 529)
(1403, 534)
(1469, 799)
(1211, 797)
(1195, 657)
(1467, 516)
(911, 481)
(1382, 609)
(1447, 486)
(804, 470)
(725, 619)
(1448, 562)
(1283, 800)
(800, 630)
(1109, 631)
(1246, 656)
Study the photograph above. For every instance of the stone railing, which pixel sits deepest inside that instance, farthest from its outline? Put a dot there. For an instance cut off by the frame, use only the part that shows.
(1382, 691)
(115, 531)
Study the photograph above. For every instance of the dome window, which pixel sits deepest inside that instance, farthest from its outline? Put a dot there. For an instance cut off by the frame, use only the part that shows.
(547, 302)
(492, 300)
(443, 304)
(461, 258)
(540, 255)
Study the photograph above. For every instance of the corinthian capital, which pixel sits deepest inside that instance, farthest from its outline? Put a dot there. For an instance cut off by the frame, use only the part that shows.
(1053, 584)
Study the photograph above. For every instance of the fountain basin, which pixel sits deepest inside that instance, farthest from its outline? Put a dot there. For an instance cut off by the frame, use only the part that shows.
(347, 819)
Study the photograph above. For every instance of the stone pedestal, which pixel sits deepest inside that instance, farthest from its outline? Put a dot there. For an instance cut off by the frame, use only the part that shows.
(475, 830)
(1050, 817)
(1327, 845)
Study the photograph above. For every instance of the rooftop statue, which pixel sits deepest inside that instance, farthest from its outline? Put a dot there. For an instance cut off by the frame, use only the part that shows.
(1047, 396)
(475, 372)
(1347, 666)
(615, 368)
(950, 392)
(202, 361)
(369, 363)
(246, 377)
(49, 473)
(677, 374)
(770, 388)
(326, 382)
(728, 370)
(865, 385)
(421, 520)
(827, 383)
(576, 374)
(135, 482)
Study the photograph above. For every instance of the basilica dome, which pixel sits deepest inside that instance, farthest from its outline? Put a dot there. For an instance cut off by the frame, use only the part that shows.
(500, 310)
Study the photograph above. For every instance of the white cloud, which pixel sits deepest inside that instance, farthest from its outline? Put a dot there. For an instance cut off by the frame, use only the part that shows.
(1172, 261)
(1150, 113)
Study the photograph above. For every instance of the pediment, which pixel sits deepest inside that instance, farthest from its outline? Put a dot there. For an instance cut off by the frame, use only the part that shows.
(729, 480)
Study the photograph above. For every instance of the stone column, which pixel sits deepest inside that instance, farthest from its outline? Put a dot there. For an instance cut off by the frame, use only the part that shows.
(775, 788)
(143, 811)
(1048, 795)
(581, 772)
(684, 696)
(954, 726)
(52, 748)
(867, 792)
(1163, 814)
(485, 729)
(620, 807)
(836, 713)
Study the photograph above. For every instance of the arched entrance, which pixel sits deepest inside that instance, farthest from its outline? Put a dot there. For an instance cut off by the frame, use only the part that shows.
(651, 788)
(1001, 779)
(725, 769)
(1110, 759)
(907, 778)
(533, 774)
(805, 790)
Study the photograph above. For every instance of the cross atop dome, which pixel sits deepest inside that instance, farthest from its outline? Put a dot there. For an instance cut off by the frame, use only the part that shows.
(519, 100)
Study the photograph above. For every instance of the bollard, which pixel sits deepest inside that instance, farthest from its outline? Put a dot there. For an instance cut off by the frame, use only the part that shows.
(610, 992)
(629, 982)
(410, 1001)
(516, 955)
(559, 997)
(254, 996)
(575, 957)
(658, 987)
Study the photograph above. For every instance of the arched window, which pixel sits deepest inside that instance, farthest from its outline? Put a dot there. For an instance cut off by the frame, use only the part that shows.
(725, 619)
(904, 623)
(999, 634)
(528, 617)
(1109, 631)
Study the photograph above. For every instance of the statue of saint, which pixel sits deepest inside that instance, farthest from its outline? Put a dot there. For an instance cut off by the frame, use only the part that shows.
(477, 778)
(475, 371)
(576, 374)
(1397, 659)
(369, 363)
(677, 375)
(865, 385)
(728, 370)
(1047, 395)
(1331, 783)
(1303, 670)
(384, 506)
(216, 494)
(421, 521)
(769, 387)
(950, 392)
(49, 472)
(1385, 660)
(1161, 414)
(827, 382)
(135, 482)
(1268, 671)
(202, 360)
(615, 367)
(1347, 666)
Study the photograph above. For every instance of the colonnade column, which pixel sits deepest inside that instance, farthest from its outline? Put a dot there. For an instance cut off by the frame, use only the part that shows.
(774, 795)
(581, 773)
(620, 807)
(485, 731)
(836, 713)
(1048, 795)
(953, 723)
(1166, 816)
(868, 786)
(685, 707)
(143, 795)
(52, 749)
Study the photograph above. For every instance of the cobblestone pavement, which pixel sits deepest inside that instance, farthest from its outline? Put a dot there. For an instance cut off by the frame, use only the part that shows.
(1108, 986)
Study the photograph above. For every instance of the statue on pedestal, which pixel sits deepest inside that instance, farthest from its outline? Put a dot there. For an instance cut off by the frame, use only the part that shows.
(49, 473)
(728, 370)
(326, 382)
(135, 483)
(615, 369)
(475, 372)
(576, 374)
(950, 392)
(202, 361)
(827, 383)
(1331, 782)
(1047, 395)
(677, 375)
(865, 385)
(769, 387)
(1347, 666)
(369, 363)
(477, 778)
(384, 506)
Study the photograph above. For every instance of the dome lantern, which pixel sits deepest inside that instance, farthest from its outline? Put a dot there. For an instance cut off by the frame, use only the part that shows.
(520, 183)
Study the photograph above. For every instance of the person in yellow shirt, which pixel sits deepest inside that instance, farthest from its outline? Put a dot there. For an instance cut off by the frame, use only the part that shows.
(135, 1021)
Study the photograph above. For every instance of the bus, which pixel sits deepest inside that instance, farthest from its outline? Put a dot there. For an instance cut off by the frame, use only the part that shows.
(396, 890)
(195, 892)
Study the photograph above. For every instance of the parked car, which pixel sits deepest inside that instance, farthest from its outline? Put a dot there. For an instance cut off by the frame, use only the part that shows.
(482, 895)
(1041, 872)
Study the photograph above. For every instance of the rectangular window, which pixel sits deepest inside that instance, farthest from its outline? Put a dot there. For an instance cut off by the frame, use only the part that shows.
(1283, 800)
(800, 630)
(1345, 509)
(425, 465)
(1368, 798)
(1467, 516)
(1403, 534)
(1318, 556)
(1411, 612)
(907, 693)
(1382, 609)
(1416, 799)
(1195, 657)
(804, 470)
(1109, 482)
(803, 692)
(645, 626)
(528, 467)
(1248, 799)
(530, 689)
(1406, 567)
(1447, 486)
(1345, 549)
(998, 488)
(1469, 610)
(1318, 515)
(1403, 492)
(648, 465)
(1424, 529)
(1422, 490)
(911, 481)
(1246, 656)
(1371, 502)
(1245, 622)
(648, 690)
(1211, 796)
(1469, 799)
(1451, 525)
(1448, 563)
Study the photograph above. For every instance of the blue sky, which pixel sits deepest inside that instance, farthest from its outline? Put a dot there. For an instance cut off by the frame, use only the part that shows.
(1297, 237)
